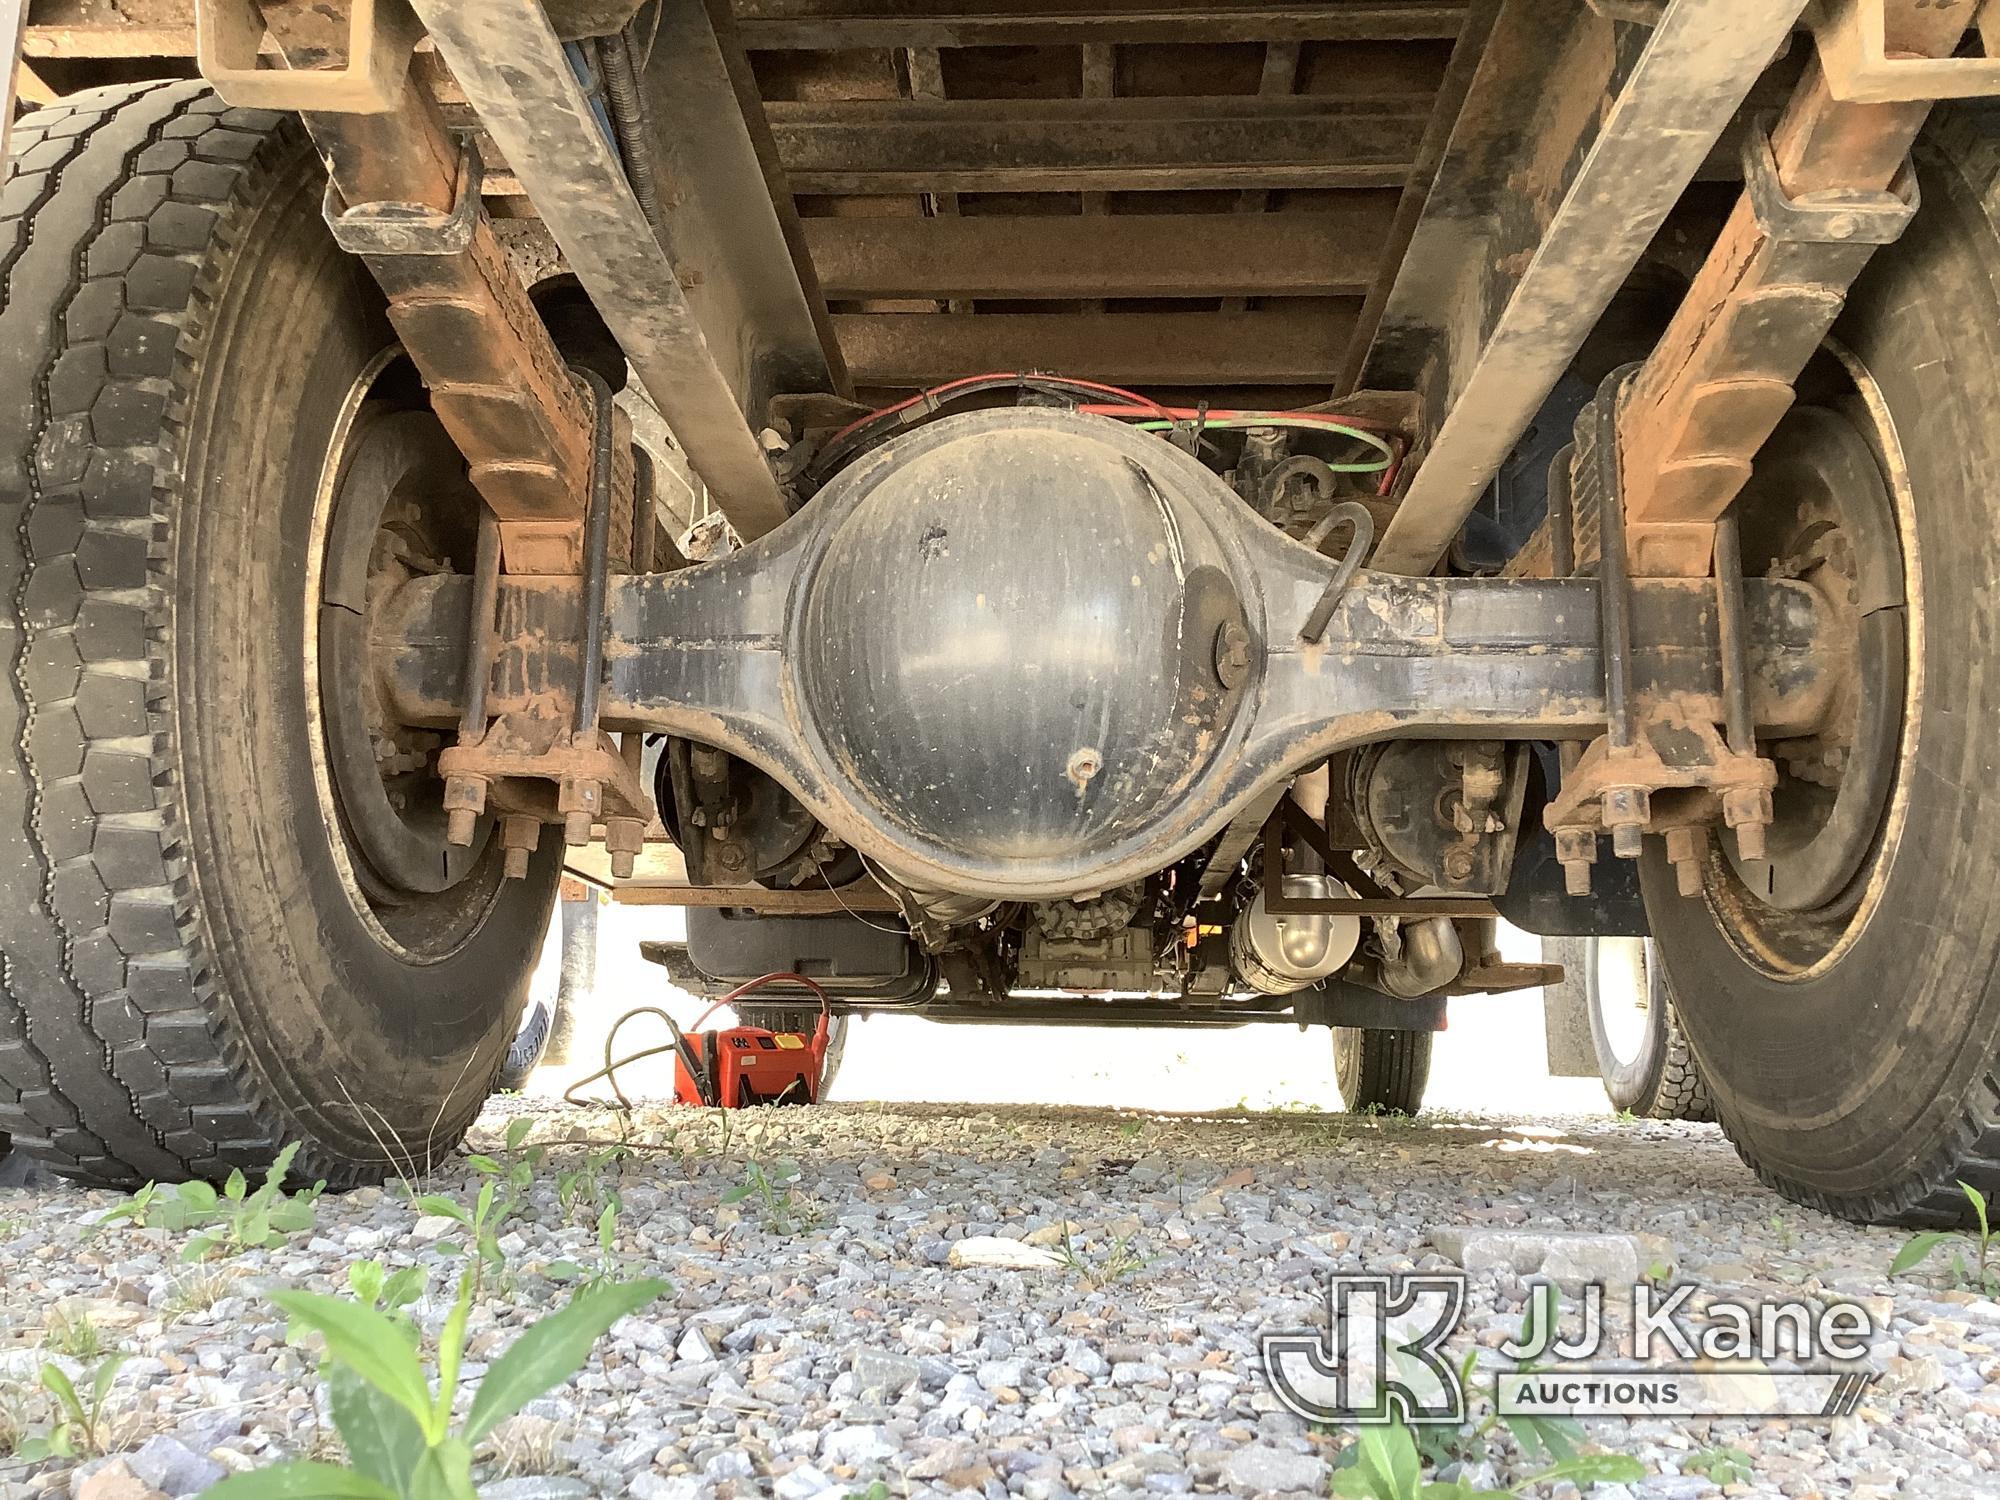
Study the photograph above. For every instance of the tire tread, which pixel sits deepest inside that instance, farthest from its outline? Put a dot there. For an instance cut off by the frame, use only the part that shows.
(116, 1056)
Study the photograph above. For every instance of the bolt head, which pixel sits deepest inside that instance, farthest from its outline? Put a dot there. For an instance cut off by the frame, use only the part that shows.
(1627, 805)
(1458, 863)
(576, 827)
(517, 863)
(1628, 840)
(1232, 655)
(1750, 842)
(1576, 876)
(458, 827)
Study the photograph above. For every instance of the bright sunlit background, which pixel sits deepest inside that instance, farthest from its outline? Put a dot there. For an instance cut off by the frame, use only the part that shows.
(1491, 1058)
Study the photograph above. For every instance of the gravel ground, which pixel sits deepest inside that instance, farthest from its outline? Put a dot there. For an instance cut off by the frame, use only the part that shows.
(827, 1341)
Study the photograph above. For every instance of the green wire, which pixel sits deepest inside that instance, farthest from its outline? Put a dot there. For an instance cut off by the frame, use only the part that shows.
(1388, 455)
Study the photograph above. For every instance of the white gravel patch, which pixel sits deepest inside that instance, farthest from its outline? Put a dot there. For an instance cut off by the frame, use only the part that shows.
(834, 1342)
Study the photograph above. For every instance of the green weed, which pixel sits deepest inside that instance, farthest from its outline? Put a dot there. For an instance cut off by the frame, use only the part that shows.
(81, 1428)
(233, 1220)
(402, 1442)
(1978, 1276)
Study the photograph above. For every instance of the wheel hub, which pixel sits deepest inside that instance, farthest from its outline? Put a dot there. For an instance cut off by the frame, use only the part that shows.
(1819, 511)
(391, 522)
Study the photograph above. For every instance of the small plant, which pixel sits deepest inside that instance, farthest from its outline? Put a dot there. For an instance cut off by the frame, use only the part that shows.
(481, 1223)
(197, 1291)
(607, 1265)
(1121, 1260)
(72, 1333)
(1724, 1466)
(401, 1441)
(80, 1428)
(1387, 1465)
(1978, 1276)
(583, 1185)
(782, 1209)
(1783, 1231)
(233, 1220)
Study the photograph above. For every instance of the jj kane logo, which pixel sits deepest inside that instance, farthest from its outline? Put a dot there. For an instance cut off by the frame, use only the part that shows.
(1381, 1357)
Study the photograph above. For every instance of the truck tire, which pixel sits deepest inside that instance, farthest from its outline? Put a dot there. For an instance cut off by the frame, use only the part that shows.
(1381, 1072)
(1642, 1054)
(1851, 1041)
(202, 960)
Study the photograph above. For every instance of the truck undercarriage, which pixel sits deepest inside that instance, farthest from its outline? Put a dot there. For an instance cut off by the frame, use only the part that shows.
(1148, 513)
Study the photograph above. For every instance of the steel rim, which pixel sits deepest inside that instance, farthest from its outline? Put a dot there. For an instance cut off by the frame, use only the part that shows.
(1621, 993)
(419, 918)
(1802, 934)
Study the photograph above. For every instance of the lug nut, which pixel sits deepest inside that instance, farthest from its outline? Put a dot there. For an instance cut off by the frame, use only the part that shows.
(578, 800)
(519, 836)
(1576, 852)
(624, 837)
(1748, 810)
(1684, 851)
(464, 801)
(1626, 812)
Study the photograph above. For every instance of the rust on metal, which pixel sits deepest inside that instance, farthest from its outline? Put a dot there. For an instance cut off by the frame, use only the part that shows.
(496, 381)
(1831, 185)
(862, 896)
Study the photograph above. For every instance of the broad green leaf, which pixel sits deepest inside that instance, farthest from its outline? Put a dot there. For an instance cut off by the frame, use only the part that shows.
(1357, 1483)
(551, 1351)
(486, 1164)
(199, 1248)
(563, 1270)
(300, 1480)
(291, 1215)
(1978, 1201)
(449, 1208)
(1394, 1452)
(451, 1350)
(197, 1196)
(484, 1206)
(58, 1385)
(518, 1131)
(1594, 1468)
(738, 1194)
(235, 1186)
(404, 1287)
(274, 1176)
(364, 1279)
(607, 1228)
(1917, 1251)
(383, 1440)
(107, 1371)
(367, 1343)
(445, 1473)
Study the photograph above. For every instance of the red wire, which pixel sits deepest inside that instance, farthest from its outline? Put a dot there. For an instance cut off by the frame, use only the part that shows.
(1136, 405)
(1223, 414)
(757, 984)
(1133, 397)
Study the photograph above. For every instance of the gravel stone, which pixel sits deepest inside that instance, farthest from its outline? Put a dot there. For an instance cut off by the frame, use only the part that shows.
(904, 1329)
